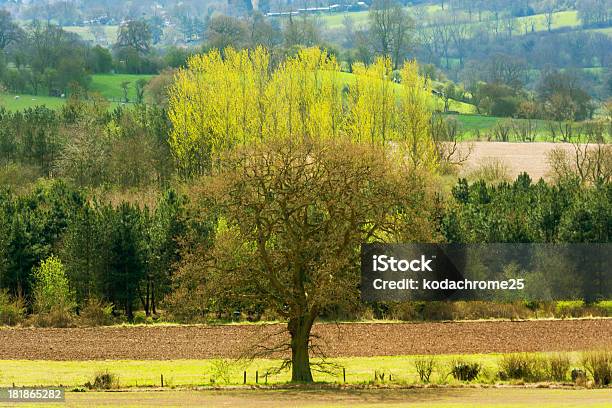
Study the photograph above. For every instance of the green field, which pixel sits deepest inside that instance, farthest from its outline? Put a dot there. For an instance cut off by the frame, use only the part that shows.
(9, 102)
(335, 20)
(110, 32)
(131, 373)
(472, 125)
(108, 85)
(561, 19)
(188, 383)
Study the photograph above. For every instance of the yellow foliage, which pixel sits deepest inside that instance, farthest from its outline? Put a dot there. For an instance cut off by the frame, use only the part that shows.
(222, 100)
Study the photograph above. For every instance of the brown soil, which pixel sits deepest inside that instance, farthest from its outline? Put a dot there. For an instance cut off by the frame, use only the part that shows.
(517, 157)
(335, 340)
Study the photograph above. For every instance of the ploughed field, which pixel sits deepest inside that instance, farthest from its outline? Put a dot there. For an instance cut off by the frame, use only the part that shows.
(166, 342)
(531, 158)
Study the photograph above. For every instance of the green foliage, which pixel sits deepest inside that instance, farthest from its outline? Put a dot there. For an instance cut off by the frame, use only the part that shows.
(12, 311)
(424, 367)
(522, 366)
(33, 223)
(558, 367)
(599, 365)
(127, 256)
(104, 380)
(464, 371)
(51, 287)
(221, 371)
(525, 212)
(96, 313)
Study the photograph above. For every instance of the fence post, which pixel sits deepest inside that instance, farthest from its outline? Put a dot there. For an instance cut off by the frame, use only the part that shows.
(256, 377)
(244, 381)
(162, 380)
(344, 374)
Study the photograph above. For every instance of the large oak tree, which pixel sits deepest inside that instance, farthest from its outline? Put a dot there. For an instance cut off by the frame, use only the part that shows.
(292, 218)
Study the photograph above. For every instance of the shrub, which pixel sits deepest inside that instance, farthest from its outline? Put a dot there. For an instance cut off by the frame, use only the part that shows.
(103, 380)
(51, 287)
(464, 371)
(437, 310)
(501, 131)
(58, 316)
(578, 376)
(141, 318)
(220, 371)
(12, 312)
(97, 313)
(424, 367)
(473, 310)
(599, 365)
(522, 366)
(558, 366)
(490, 171)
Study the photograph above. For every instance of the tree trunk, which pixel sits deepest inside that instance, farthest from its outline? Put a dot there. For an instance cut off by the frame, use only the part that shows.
(299, 328)
(153, 307)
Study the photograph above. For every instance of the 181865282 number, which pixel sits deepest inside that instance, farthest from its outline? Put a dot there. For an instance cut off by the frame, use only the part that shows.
(32, 394)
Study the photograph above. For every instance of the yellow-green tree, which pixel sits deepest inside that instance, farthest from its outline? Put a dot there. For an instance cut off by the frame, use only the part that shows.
(223, 100)
(413, 120)
(372, 103)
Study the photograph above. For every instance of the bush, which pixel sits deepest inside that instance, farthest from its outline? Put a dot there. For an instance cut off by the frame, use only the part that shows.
(424, 367)
(220, 371)
(97, 313)
(490, 171)
(522, 366)
(12, 312)
(139, 318)
(558, 366)
(599, 365)
(473, 310)
(104, 380)
(58, 316)
(51, 288)
(437, 310)
(578, 376)
(464, 371)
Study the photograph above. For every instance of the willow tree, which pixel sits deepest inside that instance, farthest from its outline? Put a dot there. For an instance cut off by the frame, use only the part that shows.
(372, 103)
(223, 100)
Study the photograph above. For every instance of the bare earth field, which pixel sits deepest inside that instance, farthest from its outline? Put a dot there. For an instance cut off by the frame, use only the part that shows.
(336, 340)
(518, 157)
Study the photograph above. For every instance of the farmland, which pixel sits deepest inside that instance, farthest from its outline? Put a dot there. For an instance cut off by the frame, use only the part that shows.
(10, 102)
(337, 340)
(107, 85)
(109, 32)
(561, 19)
